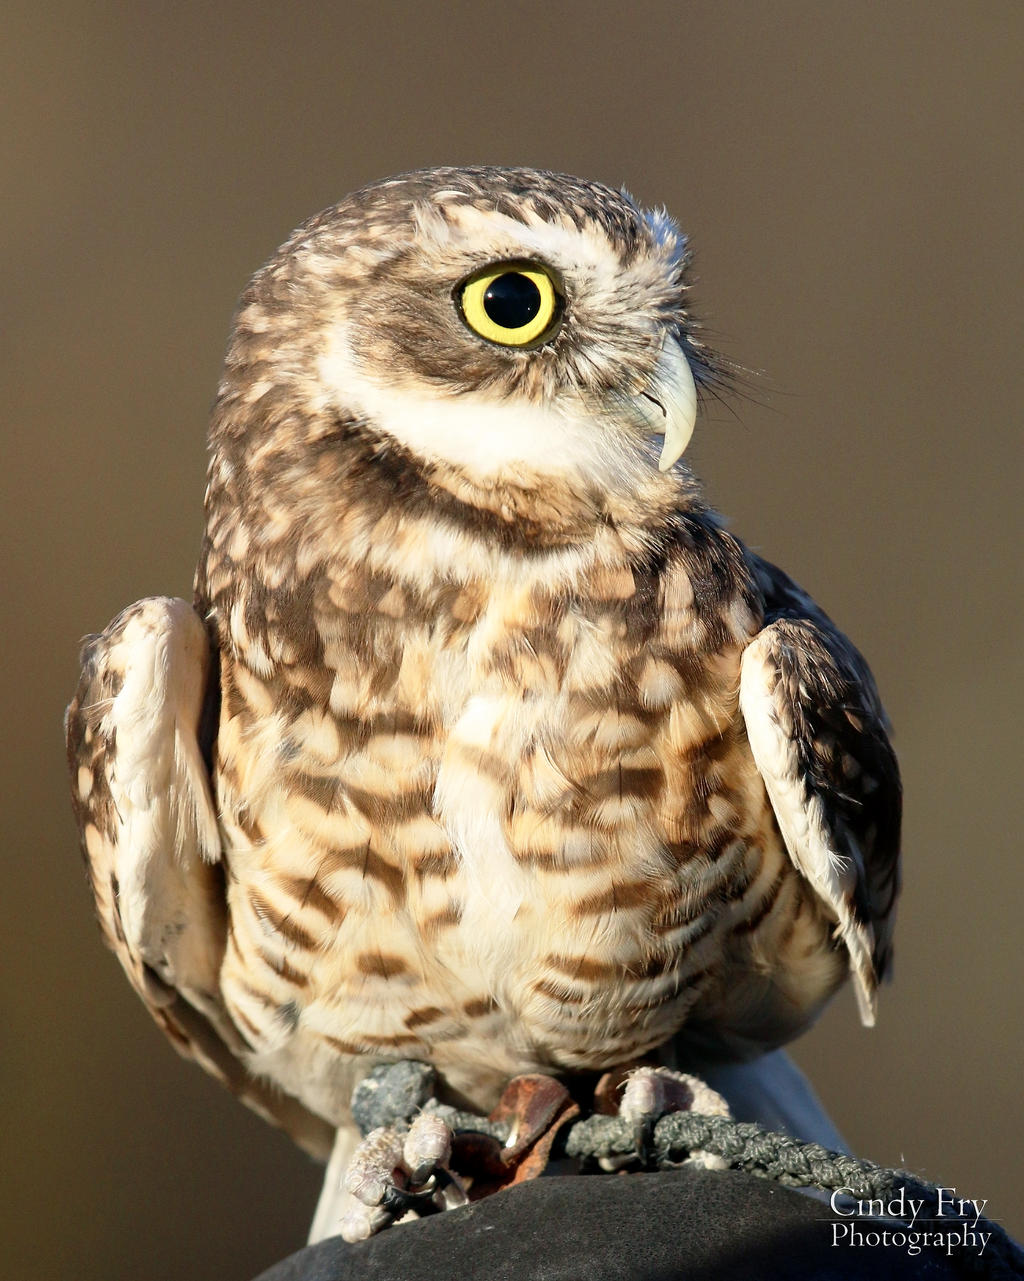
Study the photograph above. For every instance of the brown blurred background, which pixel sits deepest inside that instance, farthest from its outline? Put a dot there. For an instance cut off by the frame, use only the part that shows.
(849, 176)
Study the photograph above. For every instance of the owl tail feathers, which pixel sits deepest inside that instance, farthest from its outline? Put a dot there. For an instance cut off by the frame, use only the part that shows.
(859, 941)
(865, 980)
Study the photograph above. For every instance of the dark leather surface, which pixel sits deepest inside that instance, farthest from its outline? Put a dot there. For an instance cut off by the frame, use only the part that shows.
(692, 1224)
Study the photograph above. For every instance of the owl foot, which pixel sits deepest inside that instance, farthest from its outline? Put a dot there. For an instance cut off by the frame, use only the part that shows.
(397, 1171)
(420, 1156)
(653, 1092)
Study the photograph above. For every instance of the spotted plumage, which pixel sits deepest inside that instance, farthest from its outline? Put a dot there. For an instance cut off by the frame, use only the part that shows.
(485, 742)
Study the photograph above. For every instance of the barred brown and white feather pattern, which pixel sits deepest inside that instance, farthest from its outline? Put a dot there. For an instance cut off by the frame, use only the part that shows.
(142, 800)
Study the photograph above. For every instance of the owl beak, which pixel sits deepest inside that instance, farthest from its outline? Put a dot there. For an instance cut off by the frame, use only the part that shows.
(671, 403)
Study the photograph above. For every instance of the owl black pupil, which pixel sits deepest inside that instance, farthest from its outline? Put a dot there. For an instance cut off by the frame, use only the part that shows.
(512, 300)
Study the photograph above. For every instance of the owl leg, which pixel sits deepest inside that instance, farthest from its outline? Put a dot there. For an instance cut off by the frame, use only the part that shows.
(335, 1203)
(651, 1093)
(398, 1170)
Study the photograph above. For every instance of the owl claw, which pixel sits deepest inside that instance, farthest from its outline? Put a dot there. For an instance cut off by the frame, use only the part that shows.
(653, 1092)
(398, 1171)
(643, 1140)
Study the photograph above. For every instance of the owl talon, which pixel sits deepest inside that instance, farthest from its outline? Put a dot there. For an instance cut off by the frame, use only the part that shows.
(425, 1200)
(643, 1140)
(653, 1092)
(397, 1171)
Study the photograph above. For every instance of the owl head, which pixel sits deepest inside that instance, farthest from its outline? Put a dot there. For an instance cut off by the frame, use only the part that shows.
(509, 327)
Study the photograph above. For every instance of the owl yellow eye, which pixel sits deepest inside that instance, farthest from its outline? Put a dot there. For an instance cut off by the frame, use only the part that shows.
(515, 304)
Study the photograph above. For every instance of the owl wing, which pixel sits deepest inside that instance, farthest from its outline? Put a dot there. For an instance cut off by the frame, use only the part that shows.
(818, 734)
(143, 800)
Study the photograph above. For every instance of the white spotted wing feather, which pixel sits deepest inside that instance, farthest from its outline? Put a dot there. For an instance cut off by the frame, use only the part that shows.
(817, 733)
(146, 812)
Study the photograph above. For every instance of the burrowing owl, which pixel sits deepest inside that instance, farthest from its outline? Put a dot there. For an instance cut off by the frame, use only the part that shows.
(483, 743)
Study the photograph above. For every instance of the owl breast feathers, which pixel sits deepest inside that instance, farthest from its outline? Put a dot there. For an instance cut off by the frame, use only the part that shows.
(484, 742)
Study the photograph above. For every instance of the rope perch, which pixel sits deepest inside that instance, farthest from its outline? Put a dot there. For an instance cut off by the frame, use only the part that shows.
(393, 1094)
(791, 1162)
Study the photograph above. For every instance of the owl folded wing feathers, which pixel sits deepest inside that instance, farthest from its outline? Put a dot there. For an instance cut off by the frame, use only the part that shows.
(148, 824)
(817, 732)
